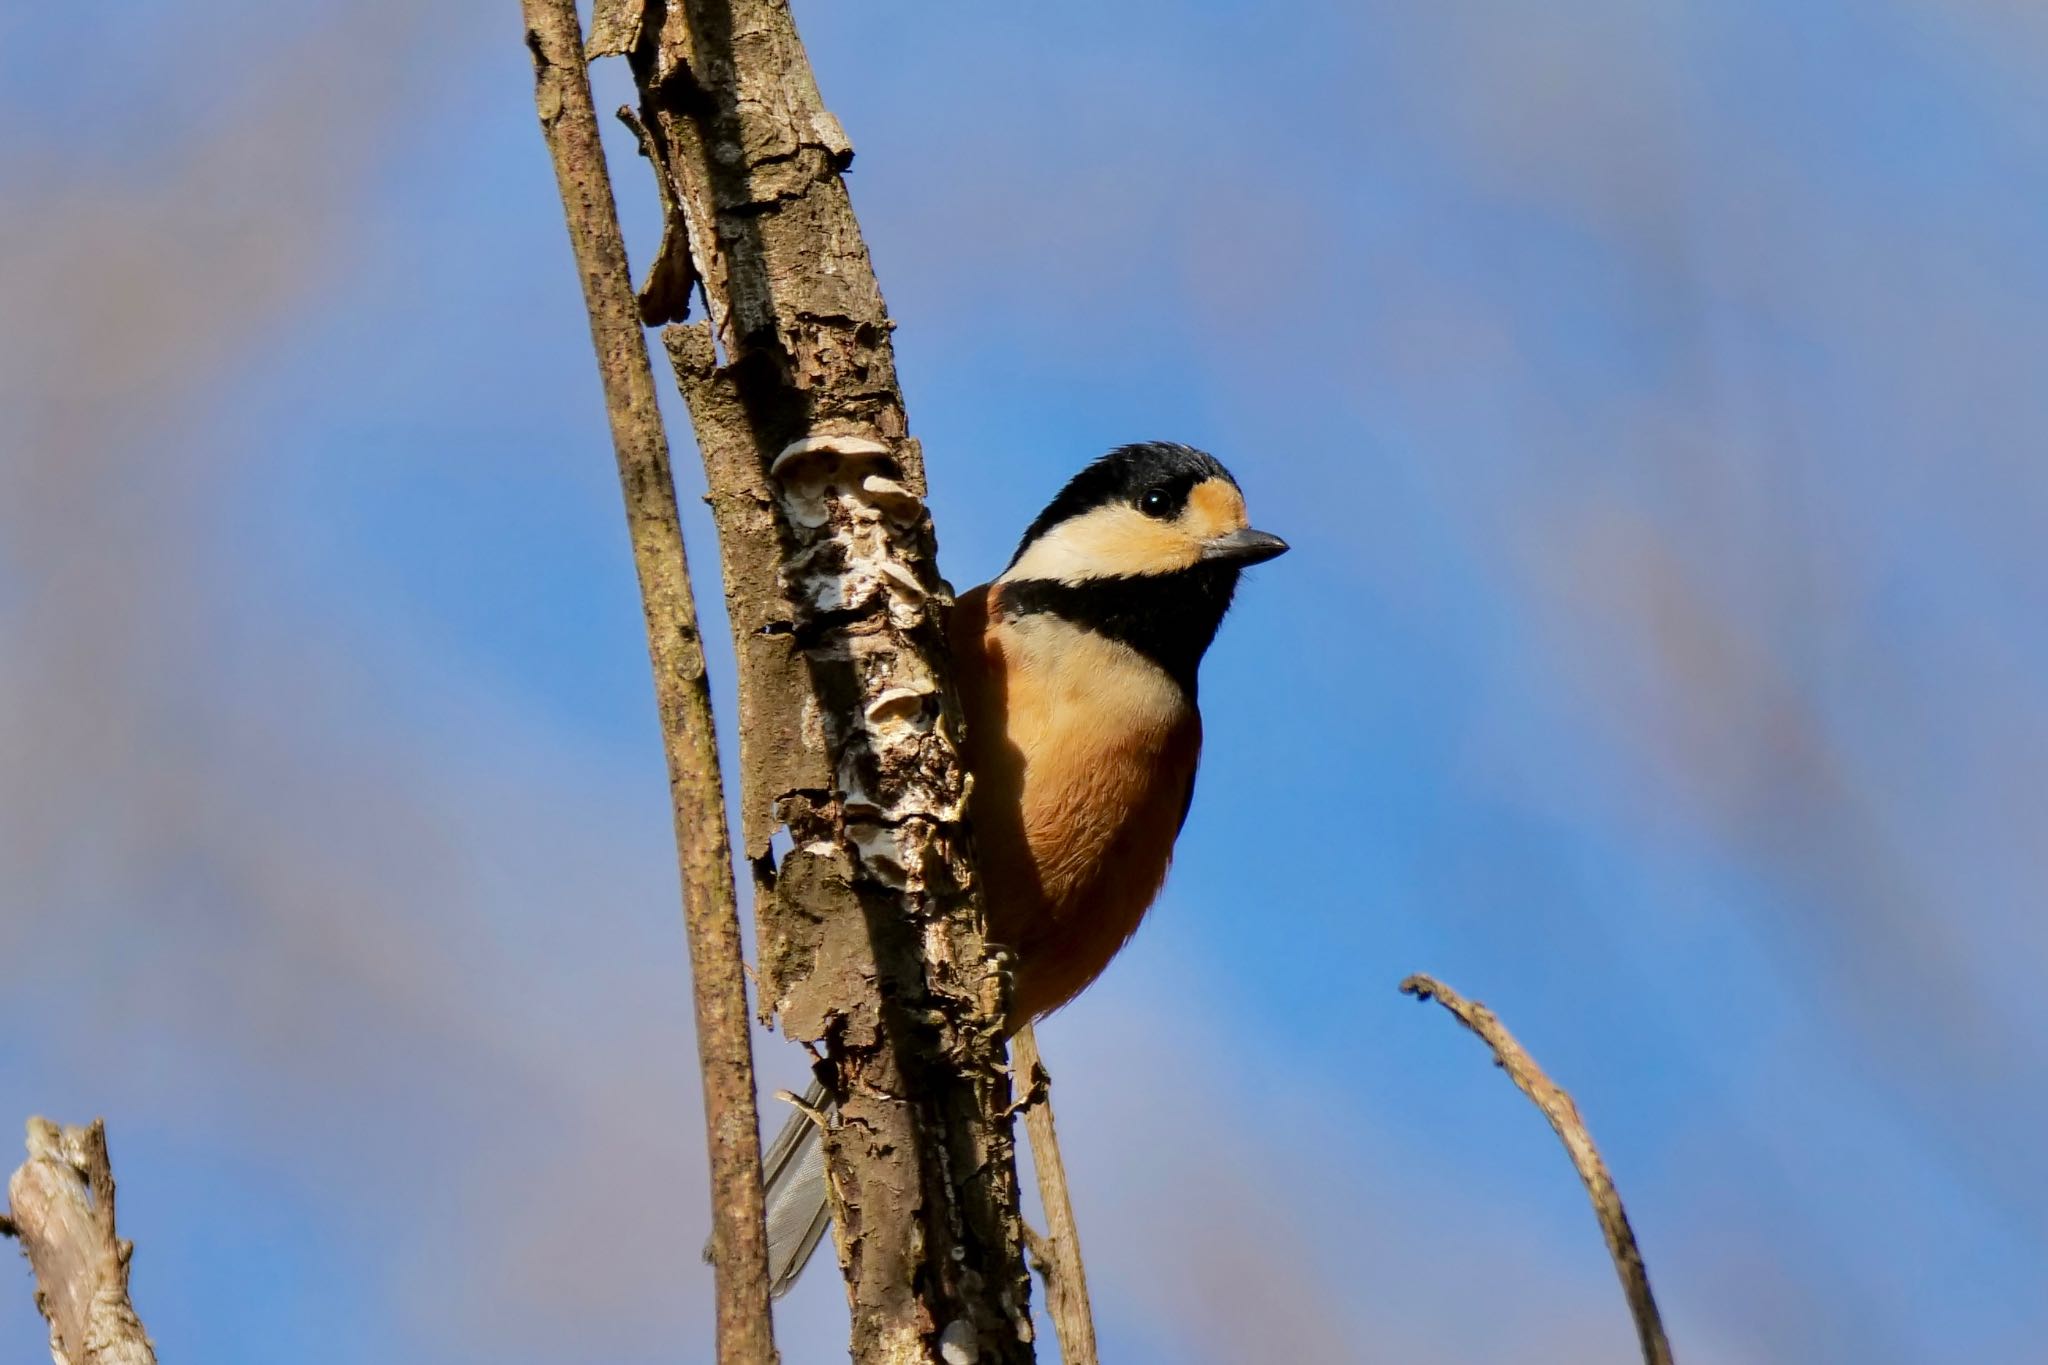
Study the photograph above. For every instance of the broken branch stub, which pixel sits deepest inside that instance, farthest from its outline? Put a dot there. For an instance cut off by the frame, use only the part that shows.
(61, 1206)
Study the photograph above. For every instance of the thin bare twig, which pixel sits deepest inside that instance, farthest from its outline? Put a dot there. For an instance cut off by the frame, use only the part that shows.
(725, 1049)
(1057, 1255)
(61, 1206)
(1564, 1118)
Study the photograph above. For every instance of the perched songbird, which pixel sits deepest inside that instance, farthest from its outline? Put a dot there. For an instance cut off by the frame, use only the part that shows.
(1076, 668)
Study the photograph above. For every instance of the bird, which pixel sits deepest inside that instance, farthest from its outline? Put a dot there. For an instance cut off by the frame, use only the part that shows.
(1077, 669)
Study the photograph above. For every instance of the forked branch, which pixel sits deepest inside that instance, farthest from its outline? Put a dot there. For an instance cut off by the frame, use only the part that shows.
(1057, 1255)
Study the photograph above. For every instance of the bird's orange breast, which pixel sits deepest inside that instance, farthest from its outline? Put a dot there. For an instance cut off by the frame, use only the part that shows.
(1083, 754)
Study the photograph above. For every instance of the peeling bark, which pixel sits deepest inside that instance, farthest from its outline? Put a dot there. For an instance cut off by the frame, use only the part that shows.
(61, 1206)
(870, 927)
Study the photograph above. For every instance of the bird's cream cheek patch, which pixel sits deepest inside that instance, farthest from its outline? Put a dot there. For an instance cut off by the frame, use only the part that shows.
(1105, 543)
(1120, 541)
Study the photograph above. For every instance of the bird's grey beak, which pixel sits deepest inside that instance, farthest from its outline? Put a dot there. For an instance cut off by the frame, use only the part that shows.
(1244, 547)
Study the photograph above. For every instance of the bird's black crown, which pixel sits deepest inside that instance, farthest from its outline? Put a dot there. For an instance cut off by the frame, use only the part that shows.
(1127, 474)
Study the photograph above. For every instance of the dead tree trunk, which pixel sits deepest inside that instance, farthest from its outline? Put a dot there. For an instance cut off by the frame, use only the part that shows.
(870, 925)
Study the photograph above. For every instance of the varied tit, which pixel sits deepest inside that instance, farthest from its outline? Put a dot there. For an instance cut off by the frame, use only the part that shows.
(1076, 669)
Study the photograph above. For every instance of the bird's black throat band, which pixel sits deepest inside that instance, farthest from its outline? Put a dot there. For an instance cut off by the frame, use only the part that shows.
(1169, 618)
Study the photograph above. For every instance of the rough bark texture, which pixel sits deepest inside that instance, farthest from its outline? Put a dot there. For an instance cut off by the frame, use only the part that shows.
(738, 1238)
(1057, 1255)
(870, 926)
(61, 1206)
(1564, 1118)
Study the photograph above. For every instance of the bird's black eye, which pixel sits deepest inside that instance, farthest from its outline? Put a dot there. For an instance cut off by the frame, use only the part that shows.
(1156, 502)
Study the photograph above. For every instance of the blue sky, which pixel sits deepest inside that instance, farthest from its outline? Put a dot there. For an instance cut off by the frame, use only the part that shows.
(1652, 395)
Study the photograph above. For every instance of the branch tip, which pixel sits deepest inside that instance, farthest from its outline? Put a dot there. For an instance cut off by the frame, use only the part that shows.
(1563, 1114)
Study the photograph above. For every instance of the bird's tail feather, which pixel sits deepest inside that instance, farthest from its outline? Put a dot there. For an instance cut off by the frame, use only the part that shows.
(793, 1171)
